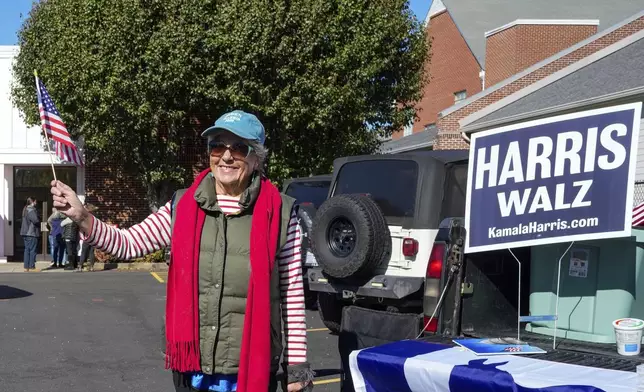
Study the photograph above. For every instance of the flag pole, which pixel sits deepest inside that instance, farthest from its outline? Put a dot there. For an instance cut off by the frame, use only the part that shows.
(51, 157)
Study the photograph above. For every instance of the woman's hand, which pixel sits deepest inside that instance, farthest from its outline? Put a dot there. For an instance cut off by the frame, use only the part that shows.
(297, 386)
(67, 202)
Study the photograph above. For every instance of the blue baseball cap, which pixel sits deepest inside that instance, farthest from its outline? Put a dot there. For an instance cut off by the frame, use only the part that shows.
(240, 123)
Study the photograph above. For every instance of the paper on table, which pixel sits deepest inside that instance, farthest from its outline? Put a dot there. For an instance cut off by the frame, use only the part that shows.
(497, 346)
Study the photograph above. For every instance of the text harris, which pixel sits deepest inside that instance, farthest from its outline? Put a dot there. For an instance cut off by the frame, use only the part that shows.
(564, 154)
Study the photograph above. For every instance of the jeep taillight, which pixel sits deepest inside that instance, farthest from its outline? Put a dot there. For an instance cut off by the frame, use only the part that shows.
(409, 247)
(435, 266)
(433, 286)
(430, 326)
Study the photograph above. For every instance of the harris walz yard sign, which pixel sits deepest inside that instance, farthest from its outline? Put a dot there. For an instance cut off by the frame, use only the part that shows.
(564, 178)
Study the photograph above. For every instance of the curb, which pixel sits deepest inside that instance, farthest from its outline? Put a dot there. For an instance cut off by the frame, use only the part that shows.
(156, 267)
(43, 266)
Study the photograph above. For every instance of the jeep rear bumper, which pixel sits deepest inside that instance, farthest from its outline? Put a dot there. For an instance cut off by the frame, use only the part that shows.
(379, 286)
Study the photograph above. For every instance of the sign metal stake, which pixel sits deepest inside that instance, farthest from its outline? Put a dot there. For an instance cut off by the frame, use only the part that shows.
(554, 336)
(518, 298)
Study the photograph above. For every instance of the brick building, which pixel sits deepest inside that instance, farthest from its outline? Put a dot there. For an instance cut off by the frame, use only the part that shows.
(604, 70)
(478, 47)
(451, 120)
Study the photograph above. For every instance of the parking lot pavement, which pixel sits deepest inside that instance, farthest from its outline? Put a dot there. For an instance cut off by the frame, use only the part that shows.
(81, 332)
(323, 354)
(100, 332)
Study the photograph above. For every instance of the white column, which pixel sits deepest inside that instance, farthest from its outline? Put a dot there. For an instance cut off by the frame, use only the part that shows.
(80, 180)
(7, 209)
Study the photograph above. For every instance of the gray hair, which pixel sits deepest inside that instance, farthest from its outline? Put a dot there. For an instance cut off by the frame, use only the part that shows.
(262, 154)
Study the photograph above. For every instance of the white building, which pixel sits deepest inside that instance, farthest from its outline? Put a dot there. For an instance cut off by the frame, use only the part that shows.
(25, 166)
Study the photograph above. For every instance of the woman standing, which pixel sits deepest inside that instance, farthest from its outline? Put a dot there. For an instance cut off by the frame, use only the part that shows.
(30, 231)
(56, 238)
(70, 236)
(235, 277)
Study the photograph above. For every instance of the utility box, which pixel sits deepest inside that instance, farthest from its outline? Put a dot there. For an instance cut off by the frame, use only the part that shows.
(601, 281)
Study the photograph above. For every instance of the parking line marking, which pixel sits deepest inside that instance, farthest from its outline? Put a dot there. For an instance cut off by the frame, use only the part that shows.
(157, 277)
(317, 329)
(327, 381)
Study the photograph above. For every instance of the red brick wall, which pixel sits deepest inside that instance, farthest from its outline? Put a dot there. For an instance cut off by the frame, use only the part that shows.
(121, 197)
(512, 50)
(452, 67)
(448, 126)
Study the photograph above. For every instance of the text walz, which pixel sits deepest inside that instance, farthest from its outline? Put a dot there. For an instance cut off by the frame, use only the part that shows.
(567, 148)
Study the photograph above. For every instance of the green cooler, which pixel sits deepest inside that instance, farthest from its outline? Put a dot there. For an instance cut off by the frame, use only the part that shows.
(601, 281)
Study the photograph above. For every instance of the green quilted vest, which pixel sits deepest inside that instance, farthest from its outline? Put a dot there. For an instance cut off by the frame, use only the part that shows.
(224, 271)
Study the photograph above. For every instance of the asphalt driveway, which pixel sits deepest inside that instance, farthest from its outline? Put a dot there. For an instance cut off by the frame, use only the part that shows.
(100, 332)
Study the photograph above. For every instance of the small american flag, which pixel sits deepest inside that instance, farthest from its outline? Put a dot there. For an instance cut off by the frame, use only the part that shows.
(55, 127)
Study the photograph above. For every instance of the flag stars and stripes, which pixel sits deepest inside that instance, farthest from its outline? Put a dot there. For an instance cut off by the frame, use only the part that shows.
(55, 128)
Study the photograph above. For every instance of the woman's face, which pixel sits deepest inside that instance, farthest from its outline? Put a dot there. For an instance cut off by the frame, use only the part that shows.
(232, 161)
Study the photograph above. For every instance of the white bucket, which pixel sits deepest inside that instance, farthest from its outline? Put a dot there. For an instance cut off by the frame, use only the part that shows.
(628, 333)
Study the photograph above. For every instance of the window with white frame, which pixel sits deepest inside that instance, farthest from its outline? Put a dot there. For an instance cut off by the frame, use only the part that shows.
(460, 95)
(408, 129)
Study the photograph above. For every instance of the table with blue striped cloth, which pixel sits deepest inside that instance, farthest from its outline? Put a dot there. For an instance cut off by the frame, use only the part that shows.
(416, 366)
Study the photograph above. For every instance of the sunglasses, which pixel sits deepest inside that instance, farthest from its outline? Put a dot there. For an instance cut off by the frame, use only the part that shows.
(237, 150)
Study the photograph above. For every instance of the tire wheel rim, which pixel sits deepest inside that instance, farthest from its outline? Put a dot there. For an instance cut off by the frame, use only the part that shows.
(341, 237)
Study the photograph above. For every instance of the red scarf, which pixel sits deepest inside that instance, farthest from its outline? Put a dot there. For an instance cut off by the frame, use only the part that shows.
(182, 306)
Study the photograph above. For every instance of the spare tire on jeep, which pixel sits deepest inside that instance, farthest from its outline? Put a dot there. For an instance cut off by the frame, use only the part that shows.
(350, 236)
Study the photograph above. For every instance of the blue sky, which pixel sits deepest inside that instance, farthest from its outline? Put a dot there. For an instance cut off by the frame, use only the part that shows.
(10, 18)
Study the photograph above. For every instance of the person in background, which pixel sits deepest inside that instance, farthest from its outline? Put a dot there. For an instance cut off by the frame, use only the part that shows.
(65, 262)
(56, 238)
(50, 239)
(71, 236)
(87, 250)
(235, 276)
(30, 231)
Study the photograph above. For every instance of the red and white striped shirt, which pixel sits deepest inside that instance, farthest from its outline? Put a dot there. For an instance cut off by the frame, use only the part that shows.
(154, 234)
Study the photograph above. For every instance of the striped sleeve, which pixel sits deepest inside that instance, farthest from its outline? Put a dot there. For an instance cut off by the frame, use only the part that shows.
(137, 241)
(292, 294)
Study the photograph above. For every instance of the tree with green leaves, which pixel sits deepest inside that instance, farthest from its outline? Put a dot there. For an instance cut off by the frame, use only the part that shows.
(137, 79)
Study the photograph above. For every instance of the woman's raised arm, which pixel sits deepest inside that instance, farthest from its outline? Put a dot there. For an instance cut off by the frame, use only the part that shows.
(139, 240)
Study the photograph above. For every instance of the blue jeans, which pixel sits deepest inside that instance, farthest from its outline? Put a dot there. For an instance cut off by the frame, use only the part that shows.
(31, 243)
(52, 245)
(59, 251)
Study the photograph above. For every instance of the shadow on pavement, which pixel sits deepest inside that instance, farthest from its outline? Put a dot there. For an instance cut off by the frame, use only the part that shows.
(8, 292)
